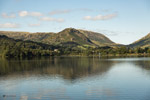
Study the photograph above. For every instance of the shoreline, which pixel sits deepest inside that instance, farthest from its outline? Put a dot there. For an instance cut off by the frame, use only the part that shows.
(101, 56)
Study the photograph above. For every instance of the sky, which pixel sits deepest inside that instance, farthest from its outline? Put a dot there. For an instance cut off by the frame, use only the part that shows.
(123, 21)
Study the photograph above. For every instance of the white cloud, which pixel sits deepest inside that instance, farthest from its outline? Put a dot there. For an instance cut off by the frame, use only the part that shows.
(26, 13)
(34, 25)
(87, 17)
(35, 14)
(59, 20)
(100, 17)
(59, 12)
(47, 19)
(9, 25)
(55, 12)
(5, 15)
(52, 19)
(23, 13)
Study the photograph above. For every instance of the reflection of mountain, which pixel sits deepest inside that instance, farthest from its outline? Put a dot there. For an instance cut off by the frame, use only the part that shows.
(69, 68)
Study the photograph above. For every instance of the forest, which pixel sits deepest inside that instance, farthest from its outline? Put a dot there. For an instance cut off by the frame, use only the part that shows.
(17, 48)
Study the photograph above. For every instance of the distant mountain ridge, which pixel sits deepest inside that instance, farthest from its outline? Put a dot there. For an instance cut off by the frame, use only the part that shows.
(82, 37)
(143, 42)
(97, 38)
(4, 40)
(26, 35)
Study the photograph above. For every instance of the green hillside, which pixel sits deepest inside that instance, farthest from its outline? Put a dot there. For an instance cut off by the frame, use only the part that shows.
(69, 35)
(81, 37)
(143, 42)
(18, 48)
(38, 37)
(97, 38)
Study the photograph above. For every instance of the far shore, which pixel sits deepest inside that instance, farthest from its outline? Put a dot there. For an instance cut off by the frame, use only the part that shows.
(101, 56)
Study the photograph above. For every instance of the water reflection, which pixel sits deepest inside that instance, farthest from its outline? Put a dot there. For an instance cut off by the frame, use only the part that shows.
(93, 79)
(143, 64)
(68, 68)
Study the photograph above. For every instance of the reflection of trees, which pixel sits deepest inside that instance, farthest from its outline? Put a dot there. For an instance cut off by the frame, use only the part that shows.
(144, 64)
(69, 68)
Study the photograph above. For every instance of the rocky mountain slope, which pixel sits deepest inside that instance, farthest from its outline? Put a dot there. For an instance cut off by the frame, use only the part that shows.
(143, 42)
(81, 37)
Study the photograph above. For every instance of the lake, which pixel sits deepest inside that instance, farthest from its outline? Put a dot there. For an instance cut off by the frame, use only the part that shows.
(75, 78)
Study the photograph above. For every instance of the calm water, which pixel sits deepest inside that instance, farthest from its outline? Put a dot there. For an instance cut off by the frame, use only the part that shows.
(75, 79)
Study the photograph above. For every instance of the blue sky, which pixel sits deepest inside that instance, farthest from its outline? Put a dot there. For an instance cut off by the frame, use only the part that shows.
(123, 21)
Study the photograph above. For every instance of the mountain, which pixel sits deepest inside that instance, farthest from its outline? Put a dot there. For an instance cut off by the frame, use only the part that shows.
(26, 35)
(68, 35)
(97, 38)
(4, 40)
(143, 42)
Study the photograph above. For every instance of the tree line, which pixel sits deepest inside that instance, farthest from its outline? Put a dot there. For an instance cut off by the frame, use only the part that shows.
(18, 48)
